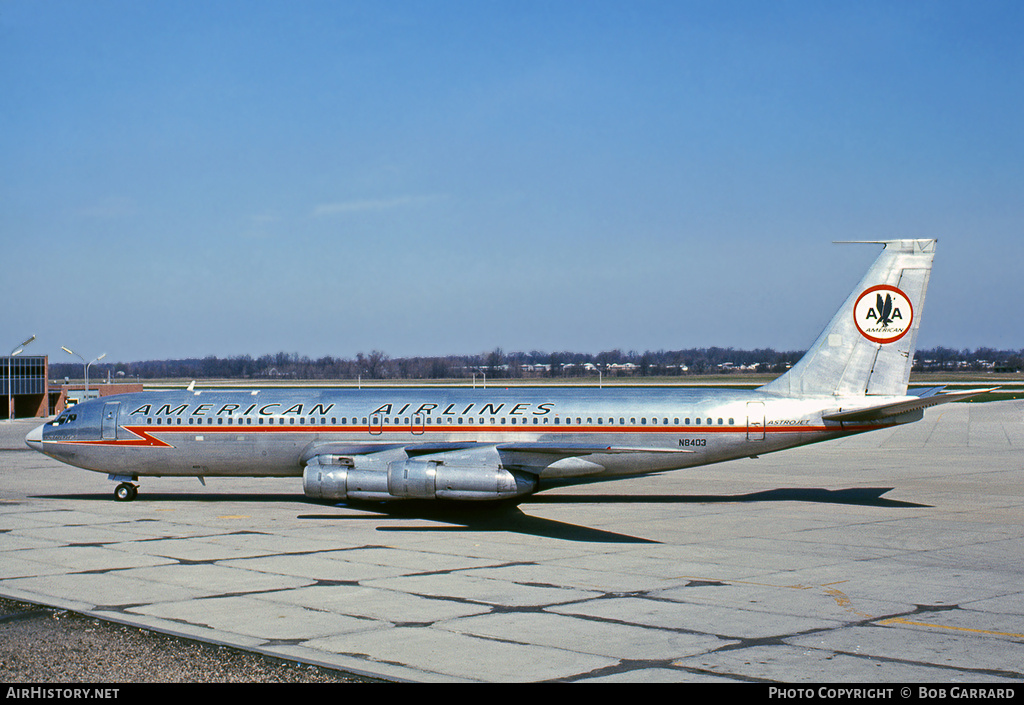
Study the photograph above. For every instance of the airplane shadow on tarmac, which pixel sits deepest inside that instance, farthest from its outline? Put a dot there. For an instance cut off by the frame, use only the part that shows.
(499, 517)
(508, 515)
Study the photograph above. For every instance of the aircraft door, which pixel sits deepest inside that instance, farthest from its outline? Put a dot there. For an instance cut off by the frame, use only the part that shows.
(376, 424)
(419, 424)
(108, 430)
(755, 421)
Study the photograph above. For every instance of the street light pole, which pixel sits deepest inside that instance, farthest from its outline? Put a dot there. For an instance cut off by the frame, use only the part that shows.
(87, 365)
(10, 378)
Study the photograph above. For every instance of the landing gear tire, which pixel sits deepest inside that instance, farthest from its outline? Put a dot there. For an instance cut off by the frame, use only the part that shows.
(125, 492)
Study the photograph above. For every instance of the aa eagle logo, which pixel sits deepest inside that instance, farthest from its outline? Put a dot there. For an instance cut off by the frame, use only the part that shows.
(883, 314)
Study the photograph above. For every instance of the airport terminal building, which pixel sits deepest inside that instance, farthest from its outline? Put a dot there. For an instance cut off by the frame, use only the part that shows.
(25, 390)
(23, 386)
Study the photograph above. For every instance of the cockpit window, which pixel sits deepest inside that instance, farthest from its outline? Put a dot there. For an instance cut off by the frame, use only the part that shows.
(65, 418)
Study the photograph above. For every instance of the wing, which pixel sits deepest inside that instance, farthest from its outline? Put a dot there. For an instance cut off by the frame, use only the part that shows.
(531, 459)
(463, 471)
(546, 453)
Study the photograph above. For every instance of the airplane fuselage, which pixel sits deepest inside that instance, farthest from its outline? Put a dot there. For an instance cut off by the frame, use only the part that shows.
(494, 443)
(268, 432)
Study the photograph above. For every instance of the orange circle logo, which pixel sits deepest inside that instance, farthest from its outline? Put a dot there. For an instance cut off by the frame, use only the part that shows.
(883, 314)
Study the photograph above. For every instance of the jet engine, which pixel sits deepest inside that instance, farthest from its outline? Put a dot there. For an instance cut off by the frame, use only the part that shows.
(330, 477)
(429, 479)
(338, 477)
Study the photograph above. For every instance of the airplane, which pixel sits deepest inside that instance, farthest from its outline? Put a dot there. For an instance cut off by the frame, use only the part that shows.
(501, 444)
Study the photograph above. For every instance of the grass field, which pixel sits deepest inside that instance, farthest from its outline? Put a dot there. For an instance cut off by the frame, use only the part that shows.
(1009, 385)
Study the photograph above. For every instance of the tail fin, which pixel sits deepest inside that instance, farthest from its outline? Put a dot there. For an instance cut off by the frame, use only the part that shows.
(868, 347)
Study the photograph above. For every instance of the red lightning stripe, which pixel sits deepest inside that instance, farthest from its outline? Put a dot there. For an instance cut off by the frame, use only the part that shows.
(144, 440)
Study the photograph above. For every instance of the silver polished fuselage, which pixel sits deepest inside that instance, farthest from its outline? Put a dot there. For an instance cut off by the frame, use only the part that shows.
(270, 432)
(480, 444)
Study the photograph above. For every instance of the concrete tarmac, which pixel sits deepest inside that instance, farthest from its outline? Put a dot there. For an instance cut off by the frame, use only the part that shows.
(895, 556)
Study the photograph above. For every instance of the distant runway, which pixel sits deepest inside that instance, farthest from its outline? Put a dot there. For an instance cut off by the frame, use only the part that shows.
(896, 556)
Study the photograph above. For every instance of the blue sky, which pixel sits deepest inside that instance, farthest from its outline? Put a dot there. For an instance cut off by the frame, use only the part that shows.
(189, 178)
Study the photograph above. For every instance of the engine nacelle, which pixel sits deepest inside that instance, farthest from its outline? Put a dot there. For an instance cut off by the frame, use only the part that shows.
(336, 478)
(328, 478)
(428, 479)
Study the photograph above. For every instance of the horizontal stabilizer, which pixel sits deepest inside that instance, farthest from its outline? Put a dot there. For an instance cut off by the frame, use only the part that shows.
(883, 411)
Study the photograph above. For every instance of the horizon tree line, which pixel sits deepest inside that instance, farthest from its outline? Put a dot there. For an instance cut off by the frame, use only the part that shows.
(498, 364)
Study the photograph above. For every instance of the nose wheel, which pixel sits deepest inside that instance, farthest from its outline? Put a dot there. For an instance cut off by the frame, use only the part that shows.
(126, 492)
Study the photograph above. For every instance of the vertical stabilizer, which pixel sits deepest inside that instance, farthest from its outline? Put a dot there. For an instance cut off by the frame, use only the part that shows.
(868, 347)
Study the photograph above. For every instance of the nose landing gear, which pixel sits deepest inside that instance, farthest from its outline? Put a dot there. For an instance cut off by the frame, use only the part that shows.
(126, 491)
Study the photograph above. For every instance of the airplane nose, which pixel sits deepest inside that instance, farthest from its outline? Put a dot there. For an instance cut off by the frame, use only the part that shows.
(34, 439)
